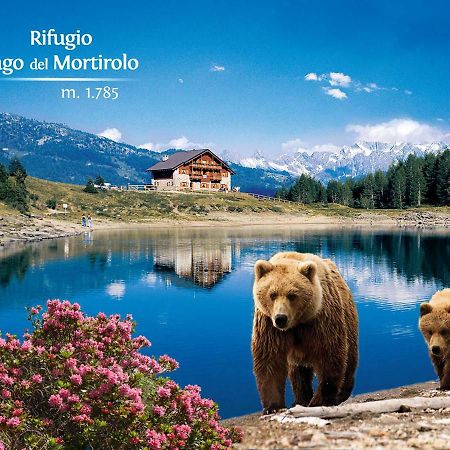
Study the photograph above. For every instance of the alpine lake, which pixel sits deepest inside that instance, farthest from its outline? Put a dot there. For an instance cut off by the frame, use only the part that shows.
(190, 292)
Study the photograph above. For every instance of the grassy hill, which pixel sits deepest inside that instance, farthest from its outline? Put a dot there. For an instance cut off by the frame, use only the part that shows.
(128, 206)
(150, 205)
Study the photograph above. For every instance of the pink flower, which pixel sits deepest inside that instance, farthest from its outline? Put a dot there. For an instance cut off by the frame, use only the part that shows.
(36, 378)
(159, 410)
(13, 422)
(76, 379)
(55, 401)
(163, 392)
(6, 393)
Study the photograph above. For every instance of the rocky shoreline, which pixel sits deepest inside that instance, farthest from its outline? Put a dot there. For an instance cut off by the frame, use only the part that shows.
(407, 428)
(23, 229)
(424, 219)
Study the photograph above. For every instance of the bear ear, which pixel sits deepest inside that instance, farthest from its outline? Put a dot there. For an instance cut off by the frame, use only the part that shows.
(309, 269)
(262, 268)
(425, 308)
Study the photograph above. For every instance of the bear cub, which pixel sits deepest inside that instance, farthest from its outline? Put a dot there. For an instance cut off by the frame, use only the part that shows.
(434, 323)
(305, 324)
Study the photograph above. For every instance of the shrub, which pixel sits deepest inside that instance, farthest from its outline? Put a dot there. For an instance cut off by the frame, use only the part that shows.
(99, 181)
(79, 382)
(51, 203)
(13, 190)
(90, 187)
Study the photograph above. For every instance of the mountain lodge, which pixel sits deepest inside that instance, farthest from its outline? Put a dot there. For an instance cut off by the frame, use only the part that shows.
(191, 170)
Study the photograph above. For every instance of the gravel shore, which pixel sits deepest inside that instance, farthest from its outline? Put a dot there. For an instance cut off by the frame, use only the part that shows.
(406, 429)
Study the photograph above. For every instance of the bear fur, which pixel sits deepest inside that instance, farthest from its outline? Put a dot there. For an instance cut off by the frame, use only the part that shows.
(434, 323)
(319, 336)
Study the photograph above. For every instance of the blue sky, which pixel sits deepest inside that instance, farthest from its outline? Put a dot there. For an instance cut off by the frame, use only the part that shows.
(231, 74)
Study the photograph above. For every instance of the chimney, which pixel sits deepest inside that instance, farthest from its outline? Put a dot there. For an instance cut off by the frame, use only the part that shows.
(165, 157)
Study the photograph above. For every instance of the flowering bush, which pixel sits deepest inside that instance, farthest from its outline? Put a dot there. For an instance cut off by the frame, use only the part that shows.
(79, 382)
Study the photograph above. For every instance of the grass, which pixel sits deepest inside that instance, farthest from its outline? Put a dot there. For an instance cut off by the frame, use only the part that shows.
(150, 205)
(188, 206)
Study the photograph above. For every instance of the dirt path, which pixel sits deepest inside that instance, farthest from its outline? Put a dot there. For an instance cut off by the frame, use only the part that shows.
(410, 429)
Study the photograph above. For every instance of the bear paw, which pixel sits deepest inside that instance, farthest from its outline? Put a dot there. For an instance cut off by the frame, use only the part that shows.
(272, 409)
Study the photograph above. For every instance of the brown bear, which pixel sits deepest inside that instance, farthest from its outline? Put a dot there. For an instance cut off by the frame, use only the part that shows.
(434, 323)
(305, 324)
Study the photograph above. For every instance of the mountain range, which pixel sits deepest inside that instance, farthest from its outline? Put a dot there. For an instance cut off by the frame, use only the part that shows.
(354, 160)
(57, 152)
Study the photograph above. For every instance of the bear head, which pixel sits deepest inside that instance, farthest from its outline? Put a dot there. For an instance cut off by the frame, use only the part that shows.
(434, 324)
(288, 292)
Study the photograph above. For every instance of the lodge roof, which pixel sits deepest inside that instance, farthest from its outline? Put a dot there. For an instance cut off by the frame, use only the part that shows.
(179, 158)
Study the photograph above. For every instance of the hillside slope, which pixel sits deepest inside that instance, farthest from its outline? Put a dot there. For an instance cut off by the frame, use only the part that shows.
(56, 152)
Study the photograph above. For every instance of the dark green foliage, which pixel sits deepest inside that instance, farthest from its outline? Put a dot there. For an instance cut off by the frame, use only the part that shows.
(409, 183)
(90, 188)
(13, 191)
(99, 181)
(51, 203)
(306, 190)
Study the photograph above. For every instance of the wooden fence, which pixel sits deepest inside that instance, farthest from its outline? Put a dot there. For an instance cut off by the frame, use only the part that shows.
(266, 197)
(141, 187)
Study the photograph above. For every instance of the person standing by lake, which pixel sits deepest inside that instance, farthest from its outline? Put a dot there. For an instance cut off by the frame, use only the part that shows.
(89, 221)
(83, 221)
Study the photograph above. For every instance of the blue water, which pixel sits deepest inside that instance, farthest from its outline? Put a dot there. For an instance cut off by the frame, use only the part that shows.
(190, 293)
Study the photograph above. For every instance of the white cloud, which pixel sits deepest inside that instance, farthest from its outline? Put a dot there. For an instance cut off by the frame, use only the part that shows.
(217, 68)
(180, 80)
(336, 93)
(339, 79)
(331, 148)
(111, 133)
(298, 145)
(311, 76)
(147, 146)
(181, 142)
(397, 130)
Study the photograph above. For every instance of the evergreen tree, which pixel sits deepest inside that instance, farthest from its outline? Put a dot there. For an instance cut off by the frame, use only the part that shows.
(443, 179)
(397, 185)
(17, 170)
(429, 170)
(99, 181)
(368, 193)
(415, 181)
(334, 190)
(380, 188)
(347, 192)
(90, 188)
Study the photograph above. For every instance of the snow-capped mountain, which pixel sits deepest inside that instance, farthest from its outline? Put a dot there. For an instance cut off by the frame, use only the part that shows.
(354, 160)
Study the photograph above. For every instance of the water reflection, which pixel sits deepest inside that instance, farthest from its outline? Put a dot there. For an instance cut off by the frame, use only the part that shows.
(204, 261)
(190, 293)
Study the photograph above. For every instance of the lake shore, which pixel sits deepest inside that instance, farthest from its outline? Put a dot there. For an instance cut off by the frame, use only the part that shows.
(407, 429)
(20, 229)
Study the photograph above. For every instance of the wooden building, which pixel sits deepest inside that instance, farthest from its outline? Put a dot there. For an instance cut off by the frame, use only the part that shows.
(191, 170)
